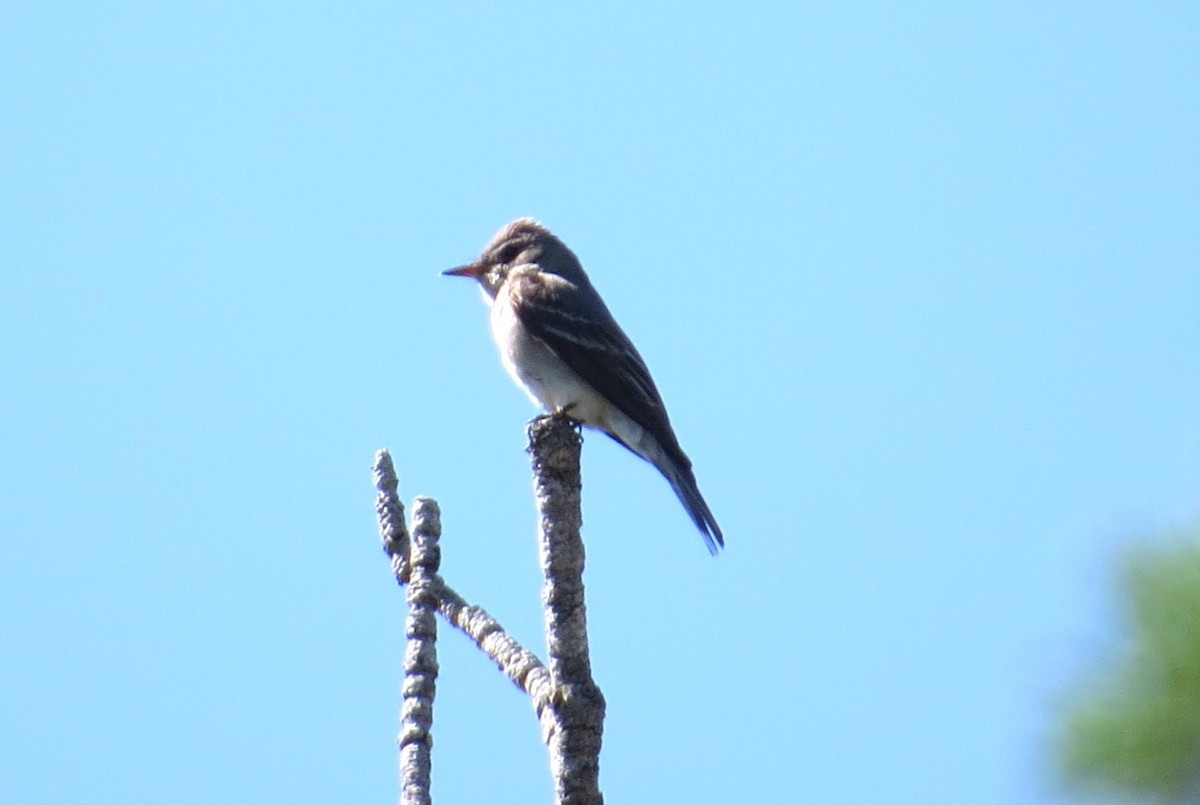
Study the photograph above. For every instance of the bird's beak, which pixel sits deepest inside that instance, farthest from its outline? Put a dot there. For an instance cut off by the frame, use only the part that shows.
(473, 270)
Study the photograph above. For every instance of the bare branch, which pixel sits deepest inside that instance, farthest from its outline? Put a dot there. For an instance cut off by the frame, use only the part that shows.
(576, 720)
(520, 665)
(390, 513)
(569, 705)
(420, 655)
(517, 663)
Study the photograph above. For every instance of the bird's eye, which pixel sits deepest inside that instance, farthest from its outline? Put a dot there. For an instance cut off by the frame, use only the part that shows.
(509, 253)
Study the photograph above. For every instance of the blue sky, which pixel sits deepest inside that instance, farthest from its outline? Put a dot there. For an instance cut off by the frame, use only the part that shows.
(918, 283)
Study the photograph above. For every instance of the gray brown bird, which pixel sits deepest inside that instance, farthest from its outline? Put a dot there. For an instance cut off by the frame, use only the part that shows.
(560, 343)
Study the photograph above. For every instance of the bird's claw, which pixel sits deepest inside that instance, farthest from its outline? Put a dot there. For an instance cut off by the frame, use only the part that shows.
(562, 413)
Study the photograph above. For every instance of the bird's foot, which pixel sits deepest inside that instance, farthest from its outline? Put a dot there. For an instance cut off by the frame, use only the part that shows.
(562, 413)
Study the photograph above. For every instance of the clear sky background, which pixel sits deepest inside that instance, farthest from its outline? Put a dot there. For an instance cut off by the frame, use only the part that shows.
(919, 285)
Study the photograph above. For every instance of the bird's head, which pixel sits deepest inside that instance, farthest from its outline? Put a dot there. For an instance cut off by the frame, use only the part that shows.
(523, 242)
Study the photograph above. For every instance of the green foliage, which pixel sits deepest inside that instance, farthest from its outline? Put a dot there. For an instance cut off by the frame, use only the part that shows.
(1137, 729)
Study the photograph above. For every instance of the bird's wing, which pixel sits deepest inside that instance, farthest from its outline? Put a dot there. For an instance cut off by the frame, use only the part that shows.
(573, 321)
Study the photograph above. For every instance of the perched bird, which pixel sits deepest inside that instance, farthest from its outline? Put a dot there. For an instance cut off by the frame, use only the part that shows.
(560, 343)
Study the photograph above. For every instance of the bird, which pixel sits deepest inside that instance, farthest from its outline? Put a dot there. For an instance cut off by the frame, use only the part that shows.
(560, 343)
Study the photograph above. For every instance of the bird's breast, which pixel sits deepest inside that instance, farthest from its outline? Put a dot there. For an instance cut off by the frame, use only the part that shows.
(544, 376)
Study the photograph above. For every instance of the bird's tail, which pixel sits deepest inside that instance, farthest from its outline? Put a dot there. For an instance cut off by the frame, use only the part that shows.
(679, 474)
(677, 469)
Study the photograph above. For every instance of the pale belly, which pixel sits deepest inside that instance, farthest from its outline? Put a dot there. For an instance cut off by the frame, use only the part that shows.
(551, 383)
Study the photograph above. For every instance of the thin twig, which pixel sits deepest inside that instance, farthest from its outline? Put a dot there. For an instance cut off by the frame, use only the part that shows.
(393, 533)
(516, 662)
